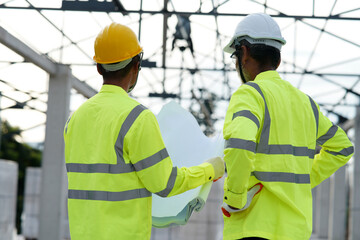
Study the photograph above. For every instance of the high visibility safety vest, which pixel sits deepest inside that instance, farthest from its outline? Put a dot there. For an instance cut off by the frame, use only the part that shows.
(115, 158)
(271, 131)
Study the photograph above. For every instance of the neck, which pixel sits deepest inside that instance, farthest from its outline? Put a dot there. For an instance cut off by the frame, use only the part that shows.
(259, 69)
(123, 82)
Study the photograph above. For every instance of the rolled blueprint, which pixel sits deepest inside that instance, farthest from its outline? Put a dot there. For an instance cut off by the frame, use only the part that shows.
(187, 146)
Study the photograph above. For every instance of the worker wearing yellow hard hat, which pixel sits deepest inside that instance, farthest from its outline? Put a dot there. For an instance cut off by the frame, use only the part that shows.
(271, 131)
(115, 48)
(114, 152)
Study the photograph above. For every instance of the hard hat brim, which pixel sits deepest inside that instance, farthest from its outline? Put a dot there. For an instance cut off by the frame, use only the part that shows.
(98, 60)
(276, 43)
(228, 48)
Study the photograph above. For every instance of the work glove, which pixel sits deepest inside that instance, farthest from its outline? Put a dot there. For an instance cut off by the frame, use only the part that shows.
(218, 165)
(227, 210)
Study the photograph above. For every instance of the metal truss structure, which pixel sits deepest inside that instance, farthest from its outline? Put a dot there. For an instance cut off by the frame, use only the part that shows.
(183, 43)
(202, 80)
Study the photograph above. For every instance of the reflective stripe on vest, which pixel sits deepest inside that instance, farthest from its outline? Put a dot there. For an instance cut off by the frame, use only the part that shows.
(108, 196)
(117, 168)
(240, 144)
(263, 145)
(273, 149)
(121, 167)
(249, 115)
(119, 144)
(345, 152)
(170, 184)
(281, 177)
(152, 160)
(329, 134)
(316, 114)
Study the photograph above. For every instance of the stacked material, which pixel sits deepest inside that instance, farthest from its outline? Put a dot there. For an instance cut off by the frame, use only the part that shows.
(30, 215)
(31, 212)
(8, 194)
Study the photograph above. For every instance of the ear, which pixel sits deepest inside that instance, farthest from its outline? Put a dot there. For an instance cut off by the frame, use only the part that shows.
(278, 63)
(245, 54)
(99, 68)
(137, 65)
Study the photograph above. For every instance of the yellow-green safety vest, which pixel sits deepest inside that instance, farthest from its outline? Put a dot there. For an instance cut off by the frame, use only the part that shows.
(115, 158)
(271, 131)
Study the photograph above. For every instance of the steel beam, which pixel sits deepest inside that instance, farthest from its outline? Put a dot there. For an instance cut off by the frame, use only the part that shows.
(354, 231)
(85, 6)
(9, 171)
(322, 209)
(315, 196)
(53, 164)
(338, 202)
(339, 198)
(348, 125)
(26, 52)
(41, 61)
(82, 87)
(165, 27)
(53, 186)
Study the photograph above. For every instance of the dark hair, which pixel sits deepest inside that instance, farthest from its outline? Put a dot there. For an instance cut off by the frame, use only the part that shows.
(119, 73)
(263, 54)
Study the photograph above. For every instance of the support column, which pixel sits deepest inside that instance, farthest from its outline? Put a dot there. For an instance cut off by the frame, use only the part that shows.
(315, 196)
(53, 187)
(8, 196)
(322, 209)
(338, 208)
(165, 26)
(354, 233)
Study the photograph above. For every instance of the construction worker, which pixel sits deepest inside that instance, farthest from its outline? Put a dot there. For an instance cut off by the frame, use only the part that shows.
(271, 131)
(115, 155)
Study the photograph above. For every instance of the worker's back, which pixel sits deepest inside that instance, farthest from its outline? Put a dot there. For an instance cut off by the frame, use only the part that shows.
(100, 175)
(115, 159)
(283, 162)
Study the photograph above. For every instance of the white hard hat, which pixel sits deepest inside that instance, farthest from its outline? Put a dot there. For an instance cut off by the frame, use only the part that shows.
(257, 28)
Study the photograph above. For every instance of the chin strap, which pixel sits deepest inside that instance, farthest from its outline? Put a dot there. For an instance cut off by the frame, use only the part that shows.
(133, 86)
(238, 55)
(241, 71)
(137, 76)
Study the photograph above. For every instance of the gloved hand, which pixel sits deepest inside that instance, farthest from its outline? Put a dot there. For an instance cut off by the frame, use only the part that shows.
(218, 165)
(226, 209)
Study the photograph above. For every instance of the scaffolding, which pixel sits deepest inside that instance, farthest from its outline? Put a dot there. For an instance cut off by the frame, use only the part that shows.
(202, 80)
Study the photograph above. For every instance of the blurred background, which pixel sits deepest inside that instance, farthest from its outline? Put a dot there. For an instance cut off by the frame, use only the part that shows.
(47, 72)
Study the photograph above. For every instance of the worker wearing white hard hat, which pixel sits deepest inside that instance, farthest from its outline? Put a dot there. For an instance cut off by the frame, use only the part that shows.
(271, 131)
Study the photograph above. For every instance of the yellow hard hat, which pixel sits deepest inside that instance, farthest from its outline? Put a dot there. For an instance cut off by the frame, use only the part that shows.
(116, 43)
